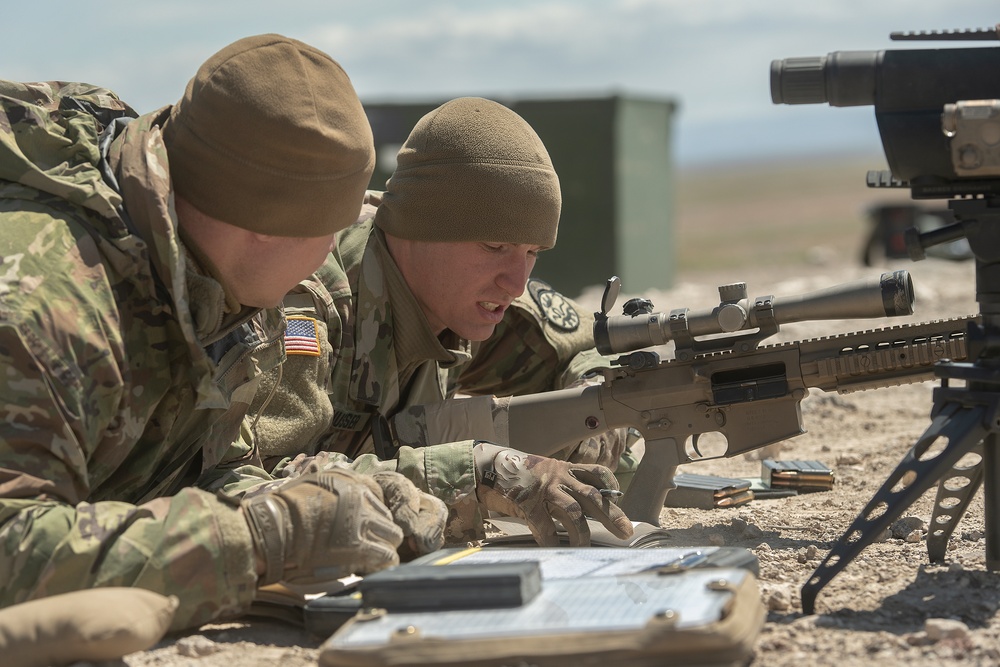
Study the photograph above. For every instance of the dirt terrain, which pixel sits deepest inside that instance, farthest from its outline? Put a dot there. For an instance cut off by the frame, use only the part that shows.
(890, 605)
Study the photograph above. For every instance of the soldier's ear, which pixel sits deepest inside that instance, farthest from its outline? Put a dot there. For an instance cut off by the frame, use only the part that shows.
(95, 625)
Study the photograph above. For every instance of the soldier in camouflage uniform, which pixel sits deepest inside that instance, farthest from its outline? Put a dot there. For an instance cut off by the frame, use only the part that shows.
(367, 339)
(137, 314)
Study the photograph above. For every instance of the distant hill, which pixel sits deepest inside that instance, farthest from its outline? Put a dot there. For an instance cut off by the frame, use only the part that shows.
(793, 212)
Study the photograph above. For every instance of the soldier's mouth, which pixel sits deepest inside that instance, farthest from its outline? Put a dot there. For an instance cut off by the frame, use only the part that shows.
(490, 306)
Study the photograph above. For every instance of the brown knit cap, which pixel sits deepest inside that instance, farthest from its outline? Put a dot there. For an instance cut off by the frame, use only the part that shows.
(472, 170)
(270, 136)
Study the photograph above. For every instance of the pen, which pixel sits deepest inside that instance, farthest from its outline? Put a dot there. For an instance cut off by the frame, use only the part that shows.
(612, 493)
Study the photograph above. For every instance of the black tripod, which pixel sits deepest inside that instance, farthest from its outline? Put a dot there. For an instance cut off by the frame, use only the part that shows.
(966, 415)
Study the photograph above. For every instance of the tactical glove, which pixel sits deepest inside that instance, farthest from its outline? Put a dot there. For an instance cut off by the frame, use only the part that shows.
(321, 527)
(605, 449)
(540, 489)
(421, 516)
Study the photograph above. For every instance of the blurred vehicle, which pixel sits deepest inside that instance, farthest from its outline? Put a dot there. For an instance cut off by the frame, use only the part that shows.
(889, 223)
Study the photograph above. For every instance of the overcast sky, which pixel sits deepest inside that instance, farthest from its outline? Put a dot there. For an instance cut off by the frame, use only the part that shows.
(712, 57)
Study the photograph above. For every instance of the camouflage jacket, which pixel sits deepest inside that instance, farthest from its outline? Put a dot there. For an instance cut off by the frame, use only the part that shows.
(119, 389)
(360, 351)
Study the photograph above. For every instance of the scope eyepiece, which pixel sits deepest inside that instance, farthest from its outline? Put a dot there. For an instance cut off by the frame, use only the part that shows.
(841, 78)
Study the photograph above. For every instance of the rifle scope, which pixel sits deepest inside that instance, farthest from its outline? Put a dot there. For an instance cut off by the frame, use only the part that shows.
(891, 295)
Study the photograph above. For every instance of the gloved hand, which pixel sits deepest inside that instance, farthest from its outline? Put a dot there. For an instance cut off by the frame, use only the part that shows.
(605, 449)
(539, 489)
(322, 526)
(421, 516)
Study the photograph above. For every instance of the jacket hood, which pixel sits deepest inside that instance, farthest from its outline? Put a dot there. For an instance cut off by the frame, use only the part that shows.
(49, 134)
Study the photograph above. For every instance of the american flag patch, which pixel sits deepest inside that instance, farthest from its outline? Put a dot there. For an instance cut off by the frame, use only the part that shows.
(301, 336)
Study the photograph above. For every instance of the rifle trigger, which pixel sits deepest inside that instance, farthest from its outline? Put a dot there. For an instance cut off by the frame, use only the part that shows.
(694, 445)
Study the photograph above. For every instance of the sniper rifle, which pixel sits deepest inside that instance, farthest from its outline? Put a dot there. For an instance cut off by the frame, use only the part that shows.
(722, 394)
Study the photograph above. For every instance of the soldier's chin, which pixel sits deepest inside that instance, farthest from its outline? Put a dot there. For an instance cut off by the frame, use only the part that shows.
(477, 333)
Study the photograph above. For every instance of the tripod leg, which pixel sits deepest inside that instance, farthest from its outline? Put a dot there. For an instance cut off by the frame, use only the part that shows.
(991, 461)
(953, 496)
(963, 428)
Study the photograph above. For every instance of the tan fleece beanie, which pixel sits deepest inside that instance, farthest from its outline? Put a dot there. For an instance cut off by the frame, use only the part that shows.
(472, 170)
(270, 136)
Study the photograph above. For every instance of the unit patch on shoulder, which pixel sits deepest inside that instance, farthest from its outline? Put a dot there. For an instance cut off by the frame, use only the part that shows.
(301, 336)
(555, 308)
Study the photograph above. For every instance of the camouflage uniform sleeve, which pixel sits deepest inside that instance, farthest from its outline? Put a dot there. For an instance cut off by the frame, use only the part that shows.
(545, 342)
(168, 545)
(446, 471)
(54, 540)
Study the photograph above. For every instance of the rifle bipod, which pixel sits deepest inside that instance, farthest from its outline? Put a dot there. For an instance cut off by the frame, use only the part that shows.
(968, 417)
